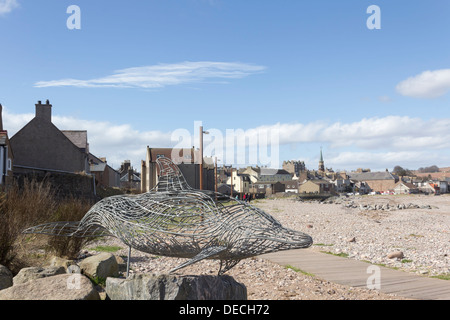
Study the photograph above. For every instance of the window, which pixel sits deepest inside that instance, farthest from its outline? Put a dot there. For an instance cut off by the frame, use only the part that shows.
(9, 165)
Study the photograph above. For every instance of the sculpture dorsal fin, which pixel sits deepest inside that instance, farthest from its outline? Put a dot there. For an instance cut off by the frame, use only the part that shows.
(170, 177)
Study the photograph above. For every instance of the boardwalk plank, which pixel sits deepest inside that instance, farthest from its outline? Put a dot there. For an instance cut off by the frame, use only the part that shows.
(355, 274)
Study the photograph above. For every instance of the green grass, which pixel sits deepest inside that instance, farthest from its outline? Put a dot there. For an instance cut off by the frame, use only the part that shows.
(299, 270)
(323, 245)
(107, 248)
(445, 276)
(406, 261)
(342, 254)
(98, 281)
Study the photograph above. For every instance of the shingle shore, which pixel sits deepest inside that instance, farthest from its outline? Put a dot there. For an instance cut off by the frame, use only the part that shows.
(337, 226)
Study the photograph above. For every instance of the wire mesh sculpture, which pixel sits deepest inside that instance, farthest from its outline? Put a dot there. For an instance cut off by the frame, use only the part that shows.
(175, 220)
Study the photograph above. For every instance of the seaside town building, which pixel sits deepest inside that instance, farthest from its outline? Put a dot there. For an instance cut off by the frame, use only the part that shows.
(41, 146)
(6, 156)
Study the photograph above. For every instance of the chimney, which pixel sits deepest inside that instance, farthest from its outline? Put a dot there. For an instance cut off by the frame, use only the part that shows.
(1, 119)
(44, 111)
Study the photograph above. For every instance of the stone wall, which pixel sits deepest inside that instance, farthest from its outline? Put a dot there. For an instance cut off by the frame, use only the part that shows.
(64, 185)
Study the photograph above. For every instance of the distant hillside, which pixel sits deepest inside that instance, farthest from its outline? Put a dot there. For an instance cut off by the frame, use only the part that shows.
(440, 173)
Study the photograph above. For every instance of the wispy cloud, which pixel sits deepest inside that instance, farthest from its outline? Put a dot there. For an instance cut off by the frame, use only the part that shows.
(428, 84)
(162, 75)
(6, 6)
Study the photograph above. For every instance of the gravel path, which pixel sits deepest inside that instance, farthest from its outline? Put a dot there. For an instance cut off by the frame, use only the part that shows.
(342, 226)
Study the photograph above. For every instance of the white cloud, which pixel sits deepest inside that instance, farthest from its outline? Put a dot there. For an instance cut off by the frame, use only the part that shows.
(115, 142)
(390, 132)
(372, 142)
(381, 160)
(6, 6)
(161, 75)
(428, 84)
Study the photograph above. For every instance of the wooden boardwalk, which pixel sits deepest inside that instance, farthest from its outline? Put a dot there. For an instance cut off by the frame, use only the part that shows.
(356, 274)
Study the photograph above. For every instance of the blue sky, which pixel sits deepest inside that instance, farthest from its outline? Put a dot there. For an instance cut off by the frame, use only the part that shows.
(312, 71)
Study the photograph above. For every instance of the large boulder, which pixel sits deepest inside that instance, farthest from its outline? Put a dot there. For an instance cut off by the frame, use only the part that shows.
(32, 273)
(100, 266)
(172, 287)
(6, 278)
(59, 287)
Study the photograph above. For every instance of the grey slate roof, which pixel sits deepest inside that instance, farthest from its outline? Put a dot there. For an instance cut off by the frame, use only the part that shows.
(77, 137)
(367, 176)
(271, 172)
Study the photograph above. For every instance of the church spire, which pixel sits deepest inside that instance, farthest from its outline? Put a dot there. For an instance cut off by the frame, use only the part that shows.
(321, 163)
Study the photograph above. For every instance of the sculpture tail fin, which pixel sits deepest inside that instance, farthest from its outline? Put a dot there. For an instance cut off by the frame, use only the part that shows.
(67, 229)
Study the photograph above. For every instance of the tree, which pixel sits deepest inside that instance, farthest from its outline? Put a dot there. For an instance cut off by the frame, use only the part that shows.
(430, 169)
(398, 170)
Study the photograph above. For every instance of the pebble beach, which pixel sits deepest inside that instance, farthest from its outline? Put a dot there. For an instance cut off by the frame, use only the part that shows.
(374, 229)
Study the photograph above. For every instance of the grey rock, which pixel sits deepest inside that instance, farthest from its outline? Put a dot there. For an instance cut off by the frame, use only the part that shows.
(61, 262)
(32, 273)
(6, 278)
(59, 287)
(172, 287)
(121, 263)
(100, 266)
(396, 255)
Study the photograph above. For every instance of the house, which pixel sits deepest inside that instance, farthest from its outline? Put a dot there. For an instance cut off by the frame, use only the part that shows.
(6, 156)
(443, 185)
(264, 189)
(253, 173)
(360, 187)
(274, 175)
(428, 187)
(129, 177)
(267, 174)
(343, 185)
(294, 167)
(41, 146)
(405, 188)
(187, 161)
(291, 186)
(376, 181)
(317, 186)
(241, 182)
(103, 173)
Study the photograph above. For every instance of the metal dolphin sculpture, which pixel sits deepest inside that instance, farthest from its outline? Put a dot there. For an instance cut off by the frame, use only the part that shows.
(176, 220)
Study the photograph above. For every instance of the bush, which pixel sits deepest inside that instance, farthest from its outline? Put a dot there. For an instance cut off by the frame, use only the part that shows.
(32, 204)
(69, 210)
(20, 208)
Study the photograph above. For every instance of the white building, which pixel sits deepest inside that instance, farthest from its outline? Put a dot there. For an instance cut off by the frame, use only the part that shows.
(241, 182)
